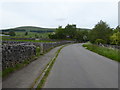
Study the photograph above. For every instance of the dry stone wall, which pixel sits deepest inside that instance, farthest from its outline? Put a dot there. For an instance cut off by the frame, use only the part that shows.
(44, 46)
(110, 46)
(15, 54)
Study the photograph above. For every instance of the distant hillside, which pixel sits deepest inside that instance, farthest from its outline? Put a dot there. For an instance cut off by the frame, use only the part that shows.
(34, 29)
(30, 29)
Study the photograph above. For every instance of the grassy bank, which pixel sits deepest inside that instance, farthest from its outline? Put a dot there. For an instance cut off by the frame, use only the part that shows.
(104, 51)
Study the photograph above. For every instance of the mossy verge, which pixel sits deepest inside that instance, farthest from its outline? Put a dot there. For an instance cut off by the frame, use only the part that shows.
(104, 51)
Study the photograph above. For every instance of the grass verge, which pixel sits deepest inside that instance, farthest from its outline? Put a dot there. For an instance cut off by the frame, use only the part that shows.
(51, 63)
(104, 51)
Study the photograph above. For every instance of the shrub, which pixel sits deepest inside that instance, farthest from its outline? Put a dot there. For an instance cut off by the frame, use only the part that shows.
(26, 33)
(100, 41)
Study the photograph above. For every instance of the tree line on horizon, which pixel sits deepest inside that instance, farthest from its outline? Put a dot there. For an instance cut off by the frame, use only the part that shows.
(100, 34)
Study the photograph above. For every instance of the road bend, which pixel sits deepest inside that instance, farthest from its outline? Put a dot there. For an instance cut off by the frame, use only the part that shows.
(77, 67)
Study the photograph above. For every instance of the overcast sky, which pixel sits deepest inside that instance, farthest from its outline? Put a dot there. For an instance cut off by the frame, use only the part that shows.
(52, 13)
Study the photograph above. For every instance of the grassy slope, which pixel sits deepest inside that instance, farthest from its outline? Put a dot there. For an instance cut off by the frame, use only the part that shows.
(28, 28)
(30, 34)
(107, 52)
(34, 28)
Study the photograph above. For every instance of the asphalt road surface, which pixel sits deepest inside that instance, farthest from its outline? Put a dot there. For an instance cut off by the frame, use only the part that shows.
(77, 67)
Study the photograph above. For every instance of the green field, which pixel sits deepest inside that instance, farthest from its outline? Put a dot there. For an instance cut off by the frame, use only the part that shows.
(32, 35)
(113, 54)
(33, 32)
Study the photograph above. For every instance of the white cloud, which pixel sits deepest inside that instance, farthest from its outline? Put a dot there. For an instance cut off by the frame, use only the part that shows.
(59, 0)
(52, 13)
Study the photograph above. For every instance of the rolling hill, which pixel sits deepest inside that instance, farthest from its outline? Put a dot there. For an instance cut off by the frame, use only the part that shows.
(30, 29)
(34, 29)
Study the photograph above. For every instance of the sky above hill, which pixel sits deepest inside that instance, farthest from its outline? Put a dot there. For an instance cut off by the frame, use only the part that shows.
(52, 13)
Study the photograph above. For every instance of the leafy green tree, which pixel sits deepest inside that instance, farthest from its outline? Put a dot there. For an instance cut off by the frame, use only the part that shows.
(92, 36)
(100, 41)
(60, 33)
(81, 36)
(63, 33)
(26, 33)
(117, 29)
(115, 38)
(52, 36)
(70, 31)
(36, 36)
(100, 31)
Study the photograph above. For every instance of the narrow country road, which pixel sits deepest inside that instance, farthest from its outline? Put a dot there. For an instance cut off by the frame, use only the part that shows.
(77, 67)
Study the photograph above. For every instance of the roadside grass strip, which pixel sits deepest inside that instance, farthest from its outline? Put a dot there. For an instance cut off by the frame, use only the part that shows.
(113, 54)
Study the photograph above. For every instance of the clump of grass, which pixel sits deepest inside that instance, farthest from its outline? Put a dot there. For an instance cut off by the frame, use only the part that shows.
(104, 51)
(37, 51)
